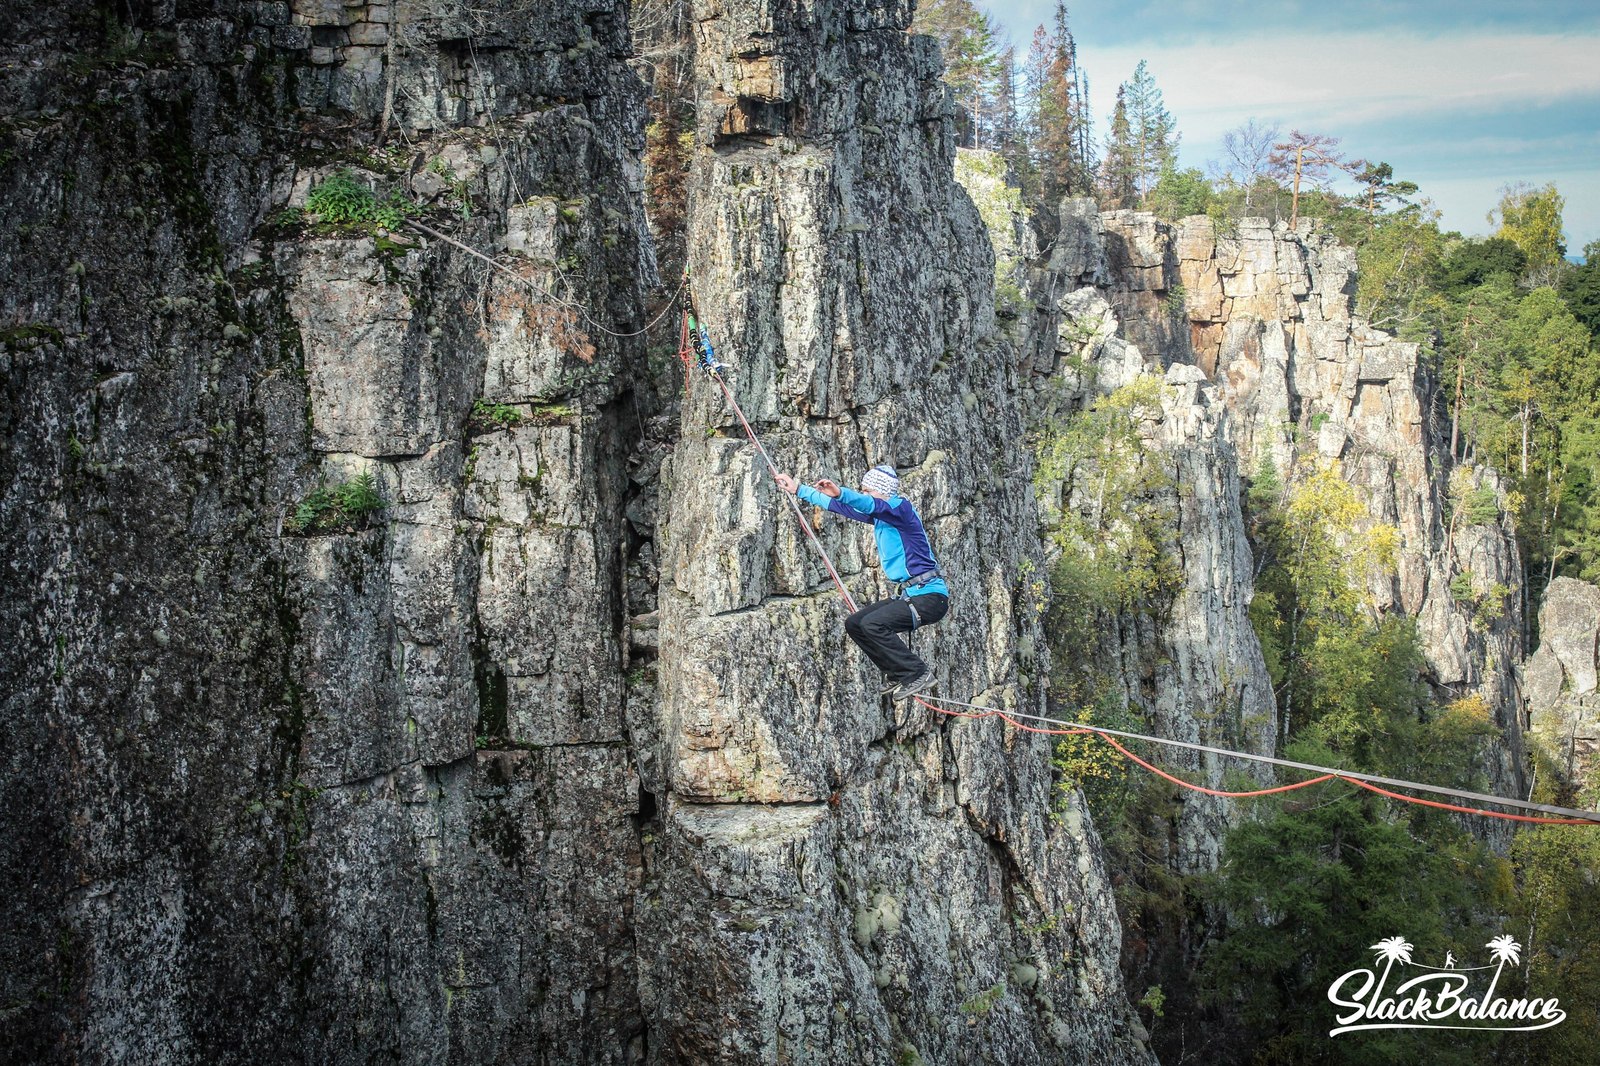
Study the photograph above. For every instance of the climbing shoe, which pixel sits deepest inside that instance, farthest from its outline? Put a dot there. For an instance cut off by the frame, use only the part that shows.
(916, 686)
(888, 687)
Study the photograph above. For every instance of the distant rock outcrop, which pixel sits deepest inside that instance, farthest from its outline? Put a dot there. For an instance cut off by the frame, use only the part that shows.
(1561, 681)
(1265, 315)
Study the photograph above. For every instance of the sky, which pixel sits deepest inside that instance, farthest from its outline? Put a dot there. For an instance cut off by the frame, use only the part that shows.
(1461, 97)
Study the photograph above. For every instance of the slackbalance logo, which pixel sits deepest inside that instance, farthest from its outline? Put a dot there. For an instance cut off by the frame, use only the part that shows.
(1444, 998)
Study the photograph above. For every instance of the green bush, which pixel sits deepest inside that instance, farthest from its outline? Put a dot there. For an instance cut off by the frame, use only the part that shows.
(496, 415)
(1115, 550)
(345, 507)
(1086, 762)
(1483, 506)
(1180, 193)
(341, 200)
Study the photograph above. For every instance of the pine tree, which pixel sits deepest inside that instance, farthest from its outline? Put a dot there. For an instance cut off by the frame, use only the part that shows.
(1305, 158)
(1055, 145)
(1062, 146)
(1153, 132)
(1031, 108)
(1080, 140)
(1007, 130)
(966, 41)
(1380, 187)
(1119, 172)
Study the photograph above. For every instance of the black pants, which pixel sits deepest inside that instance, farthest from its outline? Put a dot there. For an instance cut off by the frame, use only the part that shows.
(877, 628)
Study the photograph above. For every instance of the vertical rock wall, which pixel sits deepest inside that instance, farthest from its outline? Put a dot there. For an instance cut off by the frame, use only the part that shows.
(859, 883)
(418, 789)
(1192, 666)
(1262, 362)
(325, 798)
(1560, 681)
(1271, 321)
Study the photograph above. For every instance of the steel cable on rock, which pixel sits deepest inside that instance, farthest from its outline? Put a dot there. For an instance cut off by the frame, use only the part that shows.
(571, 305)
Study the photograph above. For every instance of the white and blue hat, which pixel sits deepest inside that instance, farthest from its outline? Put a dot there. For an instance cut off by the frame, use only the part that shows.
(881, 478)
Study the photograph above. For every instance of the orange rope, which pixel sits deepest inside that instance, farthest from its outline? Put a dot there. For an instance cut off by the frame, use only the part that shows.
(1255, 792)
(1213, 791)
(1370, 787)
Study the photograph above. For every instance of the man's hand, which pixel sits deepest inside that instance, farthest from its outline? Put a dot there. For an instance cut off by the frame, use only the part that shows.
(828, 488)
(785, 482)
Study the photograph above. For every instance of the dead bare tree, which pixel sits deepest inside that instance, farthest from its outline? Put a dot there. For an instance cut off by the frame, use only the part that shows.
(1308, 157)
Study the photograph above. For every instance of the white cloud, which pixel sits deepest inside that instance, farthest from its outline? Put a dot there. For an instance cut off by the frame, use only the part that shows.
(1329, 83)
(1440, 90)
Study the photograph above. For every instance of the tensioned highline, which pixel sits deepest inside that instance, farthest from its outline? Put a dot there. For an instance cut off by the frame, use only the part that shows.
(1352, 775)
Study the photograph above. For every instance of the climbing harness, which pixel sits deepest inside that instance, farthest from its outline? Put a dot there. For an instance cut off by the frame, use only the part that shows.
(903, 588)
(695, 340)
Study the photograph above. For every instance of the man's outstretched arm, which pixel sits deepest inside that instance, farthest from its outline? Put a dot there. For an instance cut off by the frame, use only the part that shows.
(828, 494)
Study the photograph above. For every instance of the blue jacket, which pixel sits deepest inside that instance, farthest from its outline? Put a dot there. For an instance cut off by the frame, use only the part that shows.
(903, 547)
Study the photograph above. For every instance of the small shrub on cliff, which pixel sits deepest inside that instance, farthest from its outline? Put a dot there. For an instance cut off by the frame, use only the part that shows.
(341, 200)
(1483, 507)
(345, 507)
(487, 416)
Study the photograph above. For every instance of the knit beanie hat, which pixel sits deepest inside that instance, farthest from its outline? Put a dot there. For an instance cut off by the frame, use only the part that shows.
(881, 478)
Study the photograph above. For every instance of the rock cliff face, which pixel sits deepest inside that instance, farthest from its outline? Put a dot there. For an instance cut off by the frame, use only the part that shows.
(861, 883)
(563, 758)
(1270, 319)
(1559, 681)
(245, 814)
(1260, 362)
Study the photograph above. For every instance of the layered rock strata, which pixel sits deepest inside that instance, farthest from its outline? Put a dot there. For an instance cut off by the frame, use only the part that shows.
(1266, 317)
(1261, 364)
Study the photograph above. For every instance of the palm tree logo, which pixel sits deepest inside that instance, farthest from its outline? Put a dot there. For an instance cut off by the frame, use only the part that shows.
(1503, 949)
(1388, 950)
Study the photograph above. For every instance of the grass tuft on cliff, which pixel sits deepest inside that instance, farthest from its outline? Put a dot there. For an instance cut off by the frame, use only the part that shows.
(345, 507)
